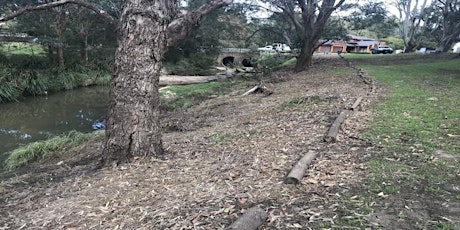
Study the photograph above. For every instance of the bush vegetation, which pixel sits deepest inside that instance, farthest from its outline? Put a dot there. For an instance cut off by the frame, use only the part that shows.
(46, 149)
(198, 64)
(28, 72)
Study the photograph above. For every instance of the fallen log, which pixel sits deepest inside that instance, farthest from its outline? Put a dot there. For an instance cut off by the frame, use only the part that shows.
(356, 104)
(252, 90)
(334, 130)
(250, 220)
(185, 80)
(297, 172)
(258, 89)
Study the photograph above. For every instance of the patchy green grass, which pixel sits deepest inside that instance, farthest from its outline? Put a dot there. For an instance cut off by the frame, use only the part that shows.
(46, 149)
(342, 72)
(186, 96)
(309, 99)
(422, 109)
(417, 128)
(21, 48)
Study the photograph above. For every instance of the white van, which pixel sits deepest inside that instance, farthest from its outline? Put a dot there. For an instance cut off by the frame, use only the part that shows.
(456, 48)
(280, 47)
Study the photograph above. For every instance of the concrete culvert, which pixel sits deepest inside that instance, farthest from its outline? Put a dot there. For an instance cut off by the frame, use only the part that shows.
(247, 63)
(228, 61)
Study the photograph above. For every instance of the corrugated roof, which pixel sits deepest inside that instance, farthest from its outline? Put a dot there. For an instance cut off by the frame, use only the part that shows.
(366, 43)
(357, 37)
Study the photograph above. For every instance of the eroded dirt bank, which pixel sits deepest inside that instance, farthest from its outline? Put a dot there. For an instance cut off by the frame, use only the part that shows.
(223, 157)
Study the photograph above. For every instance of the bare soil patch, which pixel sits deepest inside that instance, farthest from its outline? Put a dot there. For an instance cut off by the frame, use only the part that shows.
(223, 157)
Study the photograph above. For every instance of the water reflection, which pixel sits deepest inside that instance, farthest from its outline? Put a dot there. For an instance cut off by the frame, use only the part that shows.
(37, 118)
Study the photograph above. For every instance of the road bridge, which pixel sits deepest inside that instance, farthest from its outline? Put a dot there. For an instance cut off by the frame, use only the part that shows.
(236, 57)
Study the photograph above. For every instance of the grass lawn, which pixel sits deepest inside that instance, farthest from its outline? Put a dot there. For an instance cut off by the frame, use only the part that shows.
(417, 130)
(20, 48)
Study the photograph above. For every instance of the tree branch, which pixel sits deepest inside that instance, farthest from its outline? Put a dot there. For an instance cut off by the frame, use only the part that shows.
(50, 5)
(339, 4)
(178, 28)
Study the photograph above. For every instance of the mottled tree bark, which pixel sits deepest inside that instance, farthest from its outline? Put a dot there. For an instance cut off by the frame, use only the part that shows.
(133, 127)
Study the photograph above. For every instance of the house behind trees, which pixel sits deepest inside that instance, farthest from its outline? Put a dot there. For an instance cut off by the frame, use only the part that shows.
(351, 44)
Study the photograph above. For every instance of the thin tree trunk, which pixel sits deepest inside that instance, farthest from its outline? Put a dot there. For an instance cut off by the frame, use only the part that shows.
(60, 21)
(61, 56)
(83, 34)
(133, 126)
(50, 53)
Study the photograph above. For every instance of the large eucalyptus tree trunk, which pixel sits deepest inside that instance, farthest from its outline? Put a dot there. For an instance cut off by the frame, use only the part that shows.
(309, 26)
(305, 58)
(133, 127)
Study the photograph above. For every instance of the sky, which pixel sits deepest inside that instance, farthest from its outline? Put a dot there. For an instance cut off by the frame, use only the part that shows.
(389, 4)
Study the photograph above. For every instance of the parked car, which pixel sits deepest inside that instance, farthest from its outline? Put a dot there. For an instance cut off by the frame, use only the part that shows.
(382, 50)
(426, 50)
(280, 47)
(456, 48)
(276, 47)
(266, 49)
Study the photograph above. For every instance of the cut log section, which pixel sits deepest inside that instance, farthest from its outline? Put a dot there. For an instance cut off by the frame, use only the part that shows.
(356, 104)
(252, 90)
(258, 89)
(334, 130)
(297, 172)
(250, 220)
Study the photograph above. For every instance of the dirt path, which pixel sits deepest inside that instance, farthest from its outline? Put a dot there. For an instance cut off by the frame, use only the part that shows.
(232, 153)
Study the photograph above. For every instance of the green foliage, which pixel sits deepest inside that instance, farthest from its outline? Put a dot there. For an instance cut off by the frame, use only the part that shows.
(395, 42)
(335, 28)
(23, 75)
(45, 149)
(34, 83)
(196, 64)
(443, 225)
(310, 99)
(371, 20)
(269, 63)
(9, 91)
(67, 80)
(196, 53)
(103, 78)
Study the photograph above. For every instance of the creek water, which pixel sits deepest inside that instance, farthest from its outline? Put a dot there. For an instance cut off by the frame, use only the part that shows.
(38, 118)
